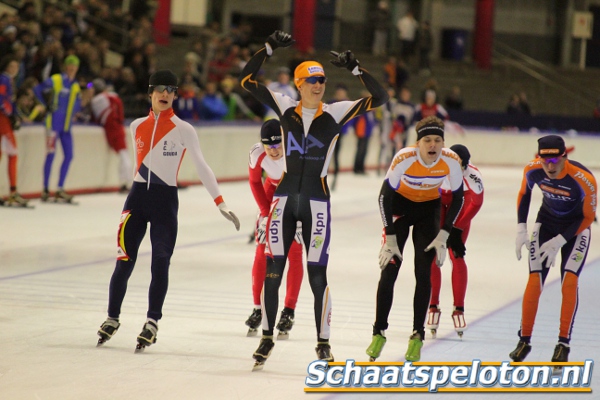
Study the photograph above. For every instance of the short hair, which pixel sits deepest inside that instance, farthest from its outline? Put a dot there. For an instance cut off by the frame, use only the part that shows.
(431, 120)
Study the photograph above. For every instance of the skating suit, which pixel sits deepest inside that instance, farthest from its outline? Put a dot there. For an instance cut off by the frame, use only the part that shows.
(161, 142)
(8, 144)
(63, 105)
(308, 137)
(568, 208)
(473, 200)
(263, 195)
(107, 110)
(410, 196)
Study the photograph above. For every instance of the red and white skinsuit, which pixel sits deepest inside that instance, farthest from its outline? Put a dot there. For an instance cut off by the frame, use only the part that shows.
(473, 195)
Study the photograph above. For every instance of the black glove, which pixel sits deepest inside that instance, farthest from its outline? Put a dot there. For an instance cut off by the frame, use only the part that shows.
(455, 243)
(345, 59)
(280, 39)
(15, 122)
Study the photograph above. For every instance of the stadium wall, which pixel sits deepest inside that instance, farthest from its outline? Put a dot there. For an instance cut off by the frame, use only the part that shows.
(226, 147)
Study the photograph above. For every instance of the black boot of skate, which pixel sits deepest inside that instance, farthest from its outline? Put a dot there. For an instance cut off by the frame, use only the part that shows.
(561, 354)
(107, 330)
(323, 350)
(286, 322)
(263, 352)
(520, 352)
(147, 337)
(253, 322)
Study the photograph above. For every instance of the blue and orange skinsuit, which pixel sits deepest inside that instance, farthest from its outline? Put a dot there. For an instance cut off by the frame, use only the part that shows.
(64, 104)
(160, 140)
(308, 139)
(7, 135)
(568, 209)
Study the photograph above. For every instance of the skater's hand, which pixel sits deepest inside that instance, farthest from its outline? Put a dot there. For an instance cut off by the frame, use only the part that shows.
(550, 249)
(298, 235)
(346, 60)
(261, 230)
(455, 243)
(227, 213)
(522, 239)
(389, 251)
(439, 244)
(280, 39)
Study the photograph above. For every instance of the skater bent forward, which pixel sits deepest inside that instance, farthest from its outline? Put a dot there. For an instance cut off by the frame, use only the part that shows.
(562, 225)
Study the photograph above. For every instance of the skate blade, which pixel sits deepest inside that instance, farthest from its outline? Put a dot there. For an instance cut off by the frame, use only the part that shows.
(434, 333)
(251, 332)
(372, 359)
(557, 370)
(139, 348)
(101, 342)
(258, 366)
(283, 335)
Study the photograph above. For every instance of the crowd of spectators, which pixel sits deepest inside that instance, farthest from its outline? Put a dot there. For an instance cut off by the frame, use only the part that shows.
(124, 54)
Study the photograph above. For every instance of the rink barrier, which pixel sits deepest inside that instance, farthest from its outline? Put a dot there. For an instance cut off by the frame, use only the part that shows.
(226, 145)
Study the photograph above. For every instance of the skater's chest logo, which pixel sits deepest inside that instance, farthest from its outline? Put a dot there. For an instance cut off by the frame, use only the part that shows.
(169, 148)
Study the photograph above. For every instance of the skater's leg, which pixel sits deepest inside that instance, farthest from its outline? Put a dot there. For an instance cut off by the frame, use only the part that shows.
(459, 276)
(385, 287)
(535, 284)
(572, 264)
(317, 277)
(436, 284)
(163, 235)
(50, 152)
(270, 303)
(294, 275)
(259, 270)
(66, 142)
(131, 232)
(424, 232)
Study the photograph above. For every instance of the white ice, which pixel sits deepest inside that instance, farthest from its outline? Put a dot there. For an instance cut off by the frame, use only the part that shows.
(56, 262)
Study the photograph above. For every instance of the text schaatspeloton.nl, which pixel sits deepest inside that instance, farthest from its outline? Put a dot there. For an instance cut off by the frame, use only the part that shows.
(474, 376)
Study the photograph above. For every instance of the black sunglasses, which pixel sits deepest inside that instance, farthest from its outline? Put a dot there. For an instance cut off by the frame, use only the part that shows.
(314, 79)
(161, 88)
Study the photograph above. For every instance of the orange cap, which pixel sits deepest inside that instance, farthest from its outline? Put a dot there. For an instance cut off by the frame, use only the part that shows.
(306, 70)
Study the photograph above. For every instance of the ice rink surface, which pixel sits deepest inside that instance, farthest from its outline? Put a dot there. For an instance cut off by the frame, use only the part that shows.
(56, 262)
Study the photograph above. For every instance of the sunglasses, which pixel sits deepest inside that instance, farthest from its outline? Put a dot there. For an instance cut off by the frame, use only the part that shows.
(551, 160)
(161, 88)
(273, 146)
(314, 79)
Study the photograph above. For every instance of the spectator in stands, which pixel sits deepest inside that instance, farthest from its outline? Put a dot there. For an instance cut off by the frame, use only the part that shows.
(107, 110)
(407, 29)
(340, 94)
(380, 20)
(514, 105)
(236, 108)
(187, 103)
(404, 112)
(281, 85)
(454, 100)
(524, 104)
(596, 112)
(363, 128)
(424, 46)
(8, 38)
(28, 108)
(212, 106)
(430, 107)
(389, 72)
